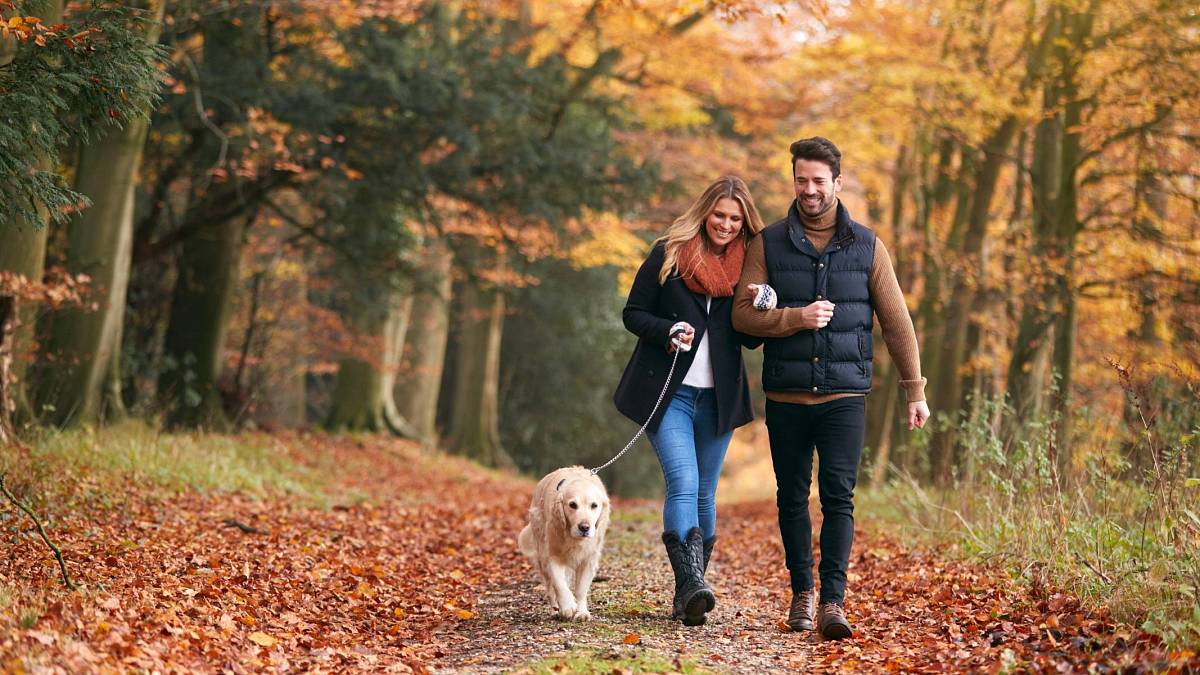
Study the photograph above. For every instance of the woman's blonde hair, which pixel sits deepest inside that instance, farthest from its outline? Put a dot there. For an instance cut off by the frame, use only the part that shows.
(687, 226)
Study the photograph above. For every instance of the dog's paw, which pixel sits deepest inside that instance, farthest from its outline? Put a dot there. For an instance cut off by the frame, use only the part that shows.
(582, 614)
(567, 610)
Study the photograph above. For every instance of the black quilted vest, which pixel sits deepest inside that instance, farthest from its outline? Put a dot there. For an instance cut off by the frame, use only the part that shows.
(837, 358)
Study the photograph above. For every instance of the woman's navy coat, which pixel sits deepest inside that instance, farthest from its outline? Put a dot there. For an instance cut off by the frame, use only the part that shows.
(649, 314)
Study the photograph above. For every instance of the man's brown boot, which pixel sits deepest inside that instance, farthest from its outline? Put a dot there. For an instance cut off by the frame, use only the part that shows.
(832, 623)
(803, 610)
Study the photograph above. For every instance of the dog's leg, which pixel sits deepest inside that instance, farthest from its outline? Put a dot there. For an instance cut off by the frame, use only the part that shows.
(583, 582)
(566, 599)
(543, 569)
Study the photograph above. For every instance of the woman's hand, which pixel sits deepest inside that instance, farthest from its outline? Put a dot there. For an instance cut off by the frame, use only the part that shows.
(816, 315)
(764, 296)
(685, 338)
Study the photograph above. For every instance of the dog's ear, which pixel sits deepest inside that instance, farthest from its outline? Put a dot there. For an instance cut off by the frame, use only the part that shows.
(560, 505)
(602, 522)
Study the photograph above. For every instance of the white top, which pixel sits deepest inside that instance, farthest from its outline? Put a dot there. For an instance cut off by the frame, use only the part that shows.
(700, 374)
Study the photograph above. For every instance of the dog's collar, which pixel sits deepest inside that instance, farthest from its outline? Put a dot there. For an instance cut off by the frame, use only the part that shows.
(557, 487)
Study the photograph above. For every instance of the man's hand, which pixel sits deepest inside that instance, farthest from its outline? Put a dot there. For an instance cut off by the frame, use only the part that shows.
(918, 413)
(816, 315)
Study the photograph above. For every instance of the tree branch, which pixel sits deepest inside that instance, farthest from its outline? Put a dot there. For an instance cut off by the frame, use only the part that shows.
(62, 565)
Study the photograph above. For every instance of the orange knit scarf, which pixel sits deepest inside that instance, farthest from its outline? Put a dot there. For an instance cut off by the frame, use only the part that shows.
(708, 273)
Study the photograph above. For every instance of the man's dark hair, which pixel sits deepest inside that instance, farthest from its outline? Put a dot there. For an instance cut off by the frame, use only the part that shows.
(817, 149)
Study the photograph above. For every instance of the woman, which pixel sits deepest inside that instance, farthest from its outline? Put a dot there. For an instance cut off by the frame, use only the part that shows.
(687, 283)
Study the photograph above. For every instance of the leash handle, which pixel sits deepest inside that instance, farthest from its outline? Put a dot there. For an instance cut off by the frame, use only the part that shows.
(662, 394)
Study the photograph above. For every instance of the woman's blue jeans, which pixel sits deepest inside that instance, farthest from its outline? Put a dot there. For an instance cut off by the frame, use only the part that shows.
(691, 453)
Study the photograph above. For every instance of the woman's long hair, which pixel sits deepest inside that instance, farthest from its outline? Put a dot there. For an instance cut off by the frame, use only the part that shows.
(691, 223)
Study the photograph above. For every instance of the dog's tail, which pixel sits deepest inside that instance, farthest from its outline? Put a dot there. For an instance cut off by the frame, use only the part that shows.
(525, 542)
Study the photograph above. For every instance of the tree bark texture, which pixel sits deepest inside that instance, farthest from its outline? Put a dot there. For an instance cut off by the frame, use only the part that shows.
(195, 339)
(473, 426)
(1049, 305)
(86, 343)
(363, 396)
(425, 349)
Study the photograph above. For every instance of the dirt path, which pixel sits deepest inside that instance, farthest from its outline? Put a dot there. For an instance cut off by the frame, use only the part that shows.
(912, 613)
(630, 600)
(413, 568)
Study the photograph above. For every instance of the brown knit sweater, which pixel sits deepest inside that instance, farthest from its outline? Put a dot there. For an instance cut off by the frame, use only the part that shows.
(886, 298)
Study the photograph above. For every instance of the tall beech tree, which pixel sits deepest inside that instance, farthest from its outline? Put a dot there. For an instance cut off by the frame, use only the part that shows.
(86, 343)
(63, 80)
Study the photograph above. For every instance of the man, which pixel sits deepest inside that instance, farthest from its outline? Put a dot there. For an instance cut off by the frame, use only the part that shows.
(830, 275)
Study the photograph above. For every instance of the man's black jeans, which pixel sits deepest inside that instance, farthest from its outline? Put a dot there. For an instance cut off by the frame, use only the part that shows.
(836, 430)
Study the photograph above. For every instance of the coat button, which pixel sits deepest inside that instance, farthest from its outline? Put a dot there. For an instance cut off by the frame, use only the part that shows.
(818, 297)
(651, 373)
(816, 358)
(819, 266)
(814, 390)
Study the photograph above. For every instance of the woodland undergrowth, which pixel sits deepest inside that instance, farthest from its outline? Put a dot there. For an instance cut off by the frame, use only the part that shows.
(1122, 529)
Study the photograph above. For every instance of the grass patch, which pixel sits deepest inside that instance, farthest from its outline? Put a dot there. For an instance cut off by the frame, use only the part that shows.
(1105, 545)
(631, 659)
(104, 459)
(628, 603)
(29, 617)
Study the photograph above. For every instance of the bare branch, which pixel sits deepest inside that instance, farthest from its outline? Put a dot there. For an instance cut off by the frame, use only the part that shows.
(62, 565)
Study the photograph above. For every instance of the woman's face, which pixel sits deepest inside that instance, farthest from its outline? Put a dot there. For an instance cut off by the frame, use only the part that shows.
(724, 223)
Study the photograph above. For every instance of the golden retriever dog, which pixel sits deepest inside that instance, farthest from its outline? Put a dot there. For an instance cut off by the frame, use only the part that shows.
(564, 537)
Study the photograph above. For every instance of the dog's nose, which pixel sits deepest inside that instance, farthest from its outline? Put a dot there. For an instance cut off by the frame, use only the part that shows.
(584, 528)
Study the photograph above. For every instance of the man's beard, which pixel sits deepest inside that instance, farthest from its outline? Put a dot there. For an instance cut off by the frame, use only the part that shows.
(820, 208)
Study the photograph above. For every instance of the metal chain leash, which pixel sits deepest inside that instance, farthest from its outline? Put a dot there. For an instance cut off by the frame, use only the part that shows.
(657, 403)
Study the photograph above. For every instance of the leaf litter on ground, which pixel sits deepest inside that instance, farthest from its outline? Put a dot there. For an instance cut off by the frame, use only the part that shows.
(423, 575)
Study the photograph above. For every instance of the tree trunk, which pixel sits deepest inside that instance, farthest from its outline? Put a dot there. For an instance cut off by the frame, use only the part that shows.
(930, 311)
(879, 425)
(24, 253)
(363, 394)
(880, 417)
(1057, 151)
(969, 279)
(473, 425)
(87, 343)
(1064, 353)
(1024, 379)
(8, 316)
(1067, 232)
(279, 385)
(417, 393)
(195, 339)
(1151, 211)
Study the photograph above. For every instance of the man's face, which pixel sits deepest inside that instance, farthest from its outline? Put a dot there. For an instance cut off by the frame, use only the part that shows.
(816, 188)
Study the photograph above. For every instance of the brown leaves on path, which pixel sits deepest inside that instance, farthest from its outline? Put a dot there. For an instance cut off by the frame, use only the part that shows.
(369, 586)
(916, 611)
(403, 581)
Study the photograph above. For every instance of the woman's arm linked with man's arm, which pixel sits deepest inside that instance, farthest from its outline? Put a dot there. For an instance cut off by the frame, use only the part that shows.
(772, 323)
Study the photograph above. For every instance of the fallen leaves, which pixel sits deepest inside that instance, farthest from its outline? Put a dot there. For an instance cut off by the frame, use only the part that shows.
(260, 638)
(348, 588)
(395, 583)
